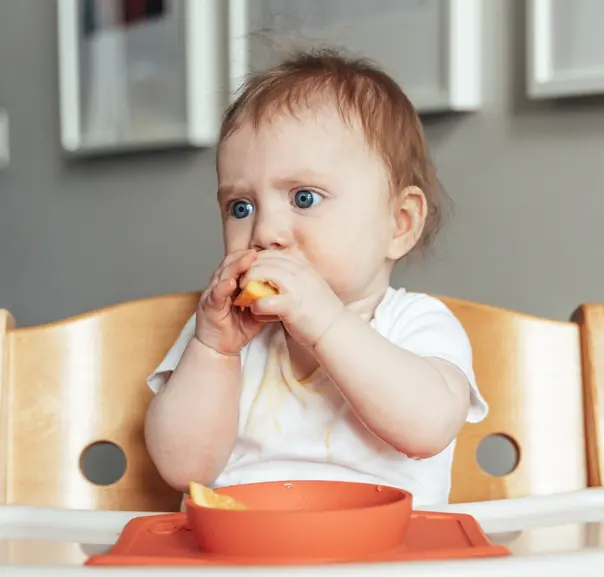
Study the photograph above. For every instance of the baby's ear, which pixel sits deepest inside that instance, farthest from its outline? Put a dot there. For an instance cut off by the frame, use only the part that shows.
(410, 209)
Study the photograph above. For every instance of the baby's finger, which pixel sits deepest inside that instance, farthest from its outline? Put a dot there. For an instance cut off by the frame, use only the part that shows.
(205, 295)
(217, 275)
(219, 298)
(281, 278)
(270, 306)
(266, 318)
(281, 258)
(236, 268)
(235, 255)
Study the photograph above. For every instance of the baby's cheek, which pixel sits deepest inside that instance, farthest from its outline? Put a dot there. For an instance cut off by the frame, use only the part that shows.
(337, 266)
(333, 253)
(236, 238)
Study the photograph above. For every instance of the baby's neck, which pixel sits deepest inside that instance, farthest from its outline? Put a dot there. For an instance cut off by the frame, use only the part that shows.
(302, 360)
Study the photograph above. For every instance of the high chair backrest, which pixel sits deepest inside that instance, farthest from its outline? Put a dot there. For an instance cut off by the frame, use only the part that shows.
(529, 371)
(590, 318)
(68, 385)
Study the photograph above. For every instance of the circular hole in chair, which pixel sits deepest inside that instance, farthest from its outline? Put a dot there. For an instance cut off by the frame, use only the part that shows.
(498, 455)
(103, 463)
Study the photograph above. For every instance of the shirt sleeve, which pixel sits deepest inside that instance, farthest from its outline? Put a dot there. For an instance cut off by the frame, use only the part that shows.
(425, 326)
(159, 377)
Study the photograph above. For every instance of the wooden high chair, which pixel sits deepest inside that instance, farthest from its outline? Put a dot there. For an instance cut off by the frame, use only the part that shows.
(68, 385)
(529, 371)
(590, 318)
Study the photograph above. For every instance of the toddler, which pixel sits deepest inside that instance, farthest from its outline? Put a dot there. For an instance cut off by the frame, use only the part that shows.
(325, 182)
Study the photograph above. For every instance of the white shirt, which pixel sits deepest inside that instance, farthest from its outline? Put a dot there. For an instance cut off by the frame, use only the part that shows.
(290, 430)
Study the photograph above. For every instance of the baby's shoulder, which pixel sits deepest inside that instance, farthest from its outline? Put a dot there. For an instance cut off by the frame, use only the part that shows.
(420, 322)
(426, 326)
(400, 306)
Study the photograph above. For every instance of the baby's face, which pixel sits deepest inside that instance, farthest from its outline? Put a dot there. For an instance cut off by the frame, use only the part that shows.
(310, 185)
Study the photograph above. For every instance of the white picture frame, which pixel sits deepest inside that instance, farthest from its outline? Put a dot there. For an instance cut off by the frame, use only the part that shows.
(112, 101)
(459, 86)
(4, 139)
(544, 78)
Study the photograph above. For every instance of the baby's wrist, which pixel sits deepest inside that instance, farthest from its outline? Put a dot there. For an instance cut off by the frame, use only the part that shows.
(208, 348)
(336, 320)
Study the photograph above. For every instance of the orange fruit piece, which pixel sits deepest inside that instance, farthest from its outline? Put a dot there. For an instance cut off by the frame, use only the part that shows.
(252, 291)
(205, 497)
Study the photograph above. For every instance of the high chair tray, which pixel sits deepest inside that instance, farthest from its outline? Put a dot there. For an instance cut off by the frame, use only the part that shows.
(168, 540)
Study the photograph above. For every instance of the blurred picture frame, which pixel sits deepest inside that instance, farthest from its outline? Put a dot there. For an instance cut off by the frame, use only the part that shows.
(138, 75)
(452, 62)
(565, 48)
(4, 139)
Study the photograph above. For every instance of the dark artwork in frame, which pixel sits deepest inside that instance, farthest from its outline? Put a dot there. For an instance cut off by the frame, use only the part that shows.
(131, 12)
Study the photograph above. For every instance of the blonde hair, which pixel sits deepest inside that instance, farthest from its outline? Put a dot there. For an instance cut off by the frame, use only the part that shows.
(362, 92)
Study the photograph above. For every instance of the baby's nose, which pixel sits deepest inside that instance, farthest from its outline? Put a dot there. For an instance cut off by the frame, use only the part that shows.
(271, 232)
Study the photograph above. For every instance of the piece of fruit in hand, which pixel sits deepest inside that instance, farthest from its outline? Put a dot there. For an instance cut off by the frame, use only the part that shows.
(252, 291)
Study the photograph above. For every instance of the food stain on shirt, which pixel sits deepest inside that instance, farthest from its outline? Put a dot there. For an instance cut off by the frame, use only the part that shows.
(286, 407)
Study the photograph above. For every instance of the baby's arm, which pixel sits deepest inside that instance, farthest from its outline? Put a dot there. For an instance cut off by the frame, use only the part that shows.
(191, 424)
(415, 404)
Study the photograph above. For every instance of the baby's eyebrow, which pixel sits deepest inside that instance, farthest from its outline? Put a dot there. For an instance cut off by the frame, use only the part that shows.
(300, 178)
(225, 191)
(295, 179)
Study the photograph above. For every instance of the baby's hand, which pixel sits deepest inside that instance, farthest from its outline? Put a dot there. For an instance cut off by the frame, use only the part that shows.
(219, 325)
(306, 304)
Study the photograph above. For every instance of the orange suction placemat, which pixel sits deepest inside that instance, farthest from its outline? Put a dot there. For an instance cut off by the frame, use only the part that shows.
(168, 540)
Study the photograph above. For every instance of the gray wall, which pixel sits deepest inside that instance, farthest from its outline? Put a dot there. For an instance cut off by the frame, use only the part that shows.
(526, 179)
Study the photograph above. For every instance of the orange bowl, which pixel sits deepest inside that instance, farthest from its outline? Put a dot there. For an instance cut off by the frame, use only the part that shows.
(304, 519)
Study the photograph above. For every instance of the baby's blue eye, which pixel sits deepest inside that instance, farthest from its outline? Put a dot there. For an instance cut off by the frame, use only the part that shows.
(306, 198)
(241, 209)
